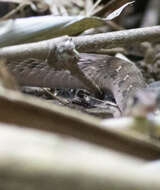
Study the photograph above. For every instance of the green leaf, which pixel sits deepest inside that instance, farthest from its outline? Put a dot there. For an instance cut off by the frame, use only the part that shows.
(24, 30)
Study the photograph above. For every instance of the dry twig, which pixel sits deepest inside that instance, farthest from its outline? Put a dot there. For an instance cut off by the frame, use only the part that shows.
(83, 43)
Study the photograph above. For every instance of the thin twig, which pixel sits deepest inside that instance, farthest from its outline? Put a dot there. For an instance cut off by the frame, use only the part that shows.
(13, 12)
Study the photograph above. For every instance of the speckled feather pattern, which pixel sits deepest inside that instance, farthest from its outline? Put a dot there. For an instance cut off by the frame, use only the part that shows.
(121, 77)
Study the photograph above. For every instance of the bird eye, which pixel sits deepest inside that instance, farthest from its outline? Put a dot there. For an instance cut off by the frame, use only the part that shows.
(135, 100)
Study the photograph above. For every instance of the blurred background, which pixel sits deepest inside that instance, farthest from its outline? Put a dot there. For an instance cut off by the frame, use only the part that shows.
(140, 14)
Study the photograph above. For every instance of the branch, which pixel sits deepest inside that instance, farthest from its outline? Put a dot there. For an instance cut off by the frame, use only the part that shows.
(116, 39)
(82, 43)
(20, 110)
(30, 159)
